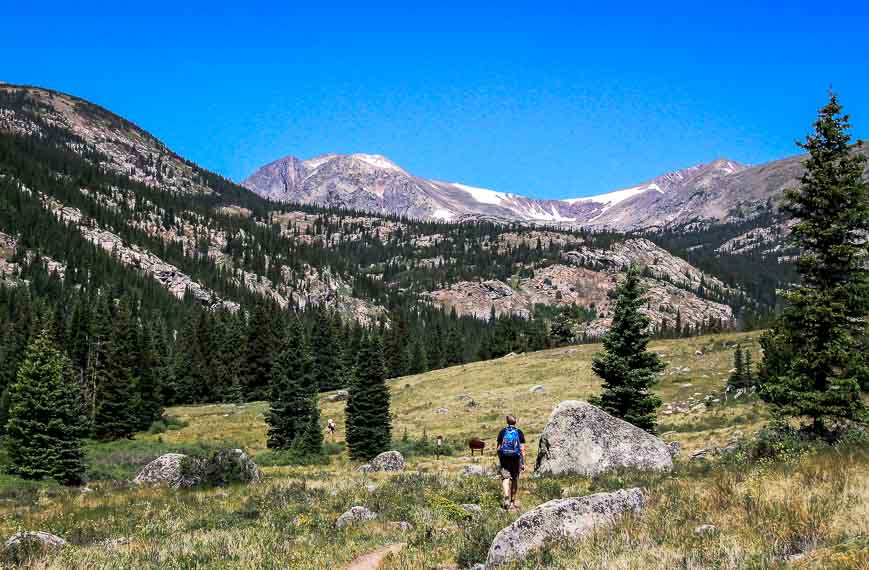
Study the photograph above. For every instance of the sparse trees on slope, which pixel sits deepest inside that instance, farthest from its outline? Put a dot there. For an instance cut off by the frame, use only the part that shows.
(369, 425)
(294, 413)
(46, 421)
(626, 367)
(813, 363)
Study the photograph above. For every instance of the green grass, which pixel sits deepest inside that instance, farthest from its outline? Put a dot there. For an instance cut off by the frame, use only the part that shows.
(806, 499)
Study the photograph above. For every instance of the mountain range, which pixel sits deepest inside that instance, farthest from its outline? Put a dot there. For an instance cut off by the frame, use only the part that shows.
(720, 191)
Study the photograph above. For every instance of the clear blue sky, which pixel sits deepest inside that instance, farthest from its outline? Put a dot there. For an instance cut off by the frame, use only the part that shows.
(542, 98)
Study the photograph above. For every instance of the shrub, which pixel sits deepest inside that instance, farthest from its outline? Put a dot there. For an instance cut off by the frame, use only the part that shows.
(477, 537)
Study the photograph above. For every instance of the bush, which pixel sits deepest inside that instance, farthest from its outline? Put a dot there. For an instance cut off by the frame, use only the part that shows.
(167, 423)
(220, 467)
(424, 446)
(477, 537)
(121, 460)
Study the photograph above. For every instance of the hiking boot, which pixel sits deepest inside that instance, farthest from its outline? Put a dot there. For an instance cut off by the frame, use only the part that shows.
(505, 504)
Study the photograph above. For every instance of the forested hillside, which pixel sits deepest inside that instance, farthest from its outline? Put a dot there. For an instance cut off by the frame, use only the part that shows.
(107, 234)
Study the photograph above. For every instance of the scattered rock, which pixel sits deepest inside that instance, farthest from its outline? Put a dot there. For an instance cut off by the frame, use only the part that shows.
(339, 396)
(403, 526)
(701, 453)
(474, 471)
(539, 389)
(674, 447)
(30, 541)
(705, 529)
(355, 515)
(442, 411)
(115, 542)
(365, 468)
(571, 518)
(583, 439)
(388, 461)
(375, 558)
(698, 353)
(471, 508)
(371, 487)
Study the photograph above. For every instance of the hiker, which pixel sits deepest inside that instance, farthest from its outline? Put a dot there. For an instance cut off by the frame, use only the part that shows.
(330, 425)
(511, 455)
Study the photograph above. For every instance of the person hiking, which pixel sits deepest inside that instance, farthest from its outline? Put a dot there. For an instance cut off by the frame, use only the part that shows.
(330, 425)
(511, 456)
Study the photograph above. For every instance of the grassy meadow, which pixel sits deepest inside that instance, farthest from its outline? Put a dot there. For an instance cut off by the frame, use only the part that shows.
(808, 508)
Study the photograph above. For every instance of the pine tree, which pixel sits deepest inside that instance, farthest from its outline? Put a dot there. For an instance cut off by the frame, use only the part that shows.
(737, 377)
(562, 330)
(369, 425)
(455, 349)
(748, 369)
(813, 365)
(116, 399)
(46, 421)
(418, 357)
(150, 367)
(627, 369)
(397, 356)
(324, 350)
(294, 412)
(435, 348)
(262, 345)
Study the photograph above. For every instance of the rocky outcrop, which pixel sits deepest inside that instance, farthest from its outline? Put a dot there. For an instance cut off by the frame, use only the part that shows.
(388, 461)
(572, 519)
(179, 471)
(338, 396)
(584, 440)
(355, 516)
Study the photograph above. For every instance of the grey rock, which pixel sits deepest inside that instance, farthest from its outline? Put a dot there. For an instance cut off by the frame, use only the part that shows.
(179, 471)
(572, 518)
(403, 526)
(537, 389)
(388, 461)
(339, 396)
(167, 470)
(583, 439)
(371, 487)
(474, 471)
(354, 516)
(674, 447)
(33, 540)
(705, 529)
(473, 509)
(442, 410)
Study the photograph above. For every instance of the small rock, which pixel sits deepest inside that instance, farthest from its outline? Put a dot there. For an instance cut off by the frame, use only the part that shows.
(371, 487)
(674, 447)
(365, 468)
(474, 471)
(700, 453)
(403, 526)
(339, 396)
(539, 389)
(442, 411)
(355, 515)
(705, 529)
(475, 510)
(698, 353)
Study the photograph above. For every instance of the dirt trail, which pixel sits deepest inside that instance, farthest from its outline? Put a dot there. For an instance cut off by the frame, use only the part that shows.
(373, 559)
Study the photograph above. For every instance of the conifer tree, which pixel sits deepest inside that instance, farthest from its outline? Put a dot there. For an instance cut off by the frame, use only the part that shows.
(150, 367)
(748, 368)
(737, 377)
(397, 356)
(324, 350)
(369, 425)
(627, 369)
(418, 357)
(455, 349)
(293, 397)
(813, 365)
(117, 385)
(262, 345)
(46, 422)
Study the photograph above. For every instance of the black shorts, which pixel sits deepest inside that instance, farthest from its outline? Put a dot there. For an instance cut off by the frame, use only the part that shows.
(510, 465)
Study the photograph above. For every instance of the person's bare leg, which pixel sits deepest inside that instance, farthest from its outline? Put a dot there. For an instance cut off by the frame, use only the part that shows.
(506, 488)
(514, 487)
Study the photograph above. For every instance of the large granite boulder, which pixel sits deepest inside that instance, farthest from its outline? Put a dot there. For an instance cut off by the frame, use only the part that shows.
(25, 543)
(179, 471)
(388, 461)
(572, 518)
(171, 470)
(584, 440)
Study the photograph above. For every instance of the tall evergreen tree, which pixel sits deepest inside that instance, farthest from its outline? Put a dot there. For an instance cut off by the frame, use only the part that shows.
(117, 385)
(627, 369)
(150, 367)
(369, 425)
(813, 365)
(737, 377)
(324, 350)
(294, 413)
(455, 349)
(262, 346)
(46, 421)
(418, 357)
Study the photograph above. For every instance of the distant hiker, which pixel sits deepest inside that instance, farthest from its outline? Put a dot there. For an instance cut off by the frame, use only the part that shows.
(330, 425)
(511, 455)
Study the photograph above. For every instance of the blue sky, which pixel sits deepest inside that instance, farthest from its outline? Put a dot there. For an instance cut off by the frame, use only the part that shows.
(547, 99)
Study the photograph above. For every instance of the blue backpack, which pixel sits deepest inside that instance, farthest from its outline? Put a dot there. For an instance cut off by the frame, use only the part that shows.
(510, 443)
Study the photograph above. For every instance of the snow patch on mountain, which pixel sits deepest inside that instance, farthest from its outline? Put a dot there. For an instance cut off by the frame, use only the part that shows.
(610, 199)
(483, 195)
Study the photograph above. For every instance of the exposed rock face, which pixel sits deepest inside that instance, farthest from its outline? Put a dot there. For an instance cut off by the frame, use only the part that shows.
(354, 516)
(571, 518)
(26, 541)
(583, 439)
(180, 471)
(388, 461)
